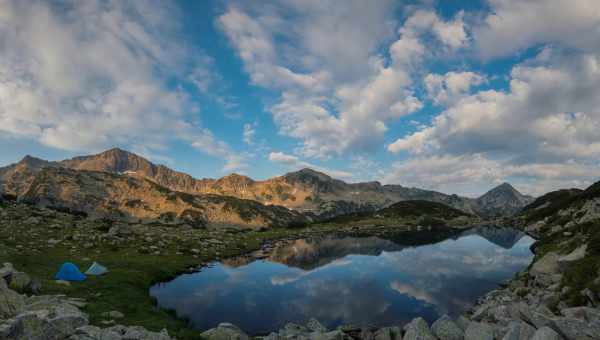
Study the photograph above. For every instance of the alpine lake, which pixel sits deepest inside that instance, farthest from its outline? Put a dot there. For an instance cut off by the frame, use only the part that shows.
(349, 280)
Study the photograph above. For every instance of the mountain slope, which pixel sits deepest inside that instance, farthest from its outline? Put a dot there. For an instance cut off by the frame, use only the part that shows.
(306, 190)
(503, 200)
(120, 197)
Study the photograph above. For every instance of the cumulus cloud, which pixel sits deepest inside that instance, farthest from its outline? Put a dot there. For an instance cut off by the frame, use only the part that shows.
(207, 143)
(515, 25)
(296, 163)
(336, 94)
(87, 75)
(540, 129)
(450, 87)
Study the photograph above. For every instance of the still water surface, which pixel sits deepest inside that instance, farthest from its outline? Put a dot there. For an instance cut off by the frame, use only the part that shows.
(350, 280)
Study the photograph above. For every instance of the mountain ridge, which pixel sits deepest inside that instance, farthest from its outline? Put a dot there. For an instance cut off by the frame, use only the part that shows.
(306, 190)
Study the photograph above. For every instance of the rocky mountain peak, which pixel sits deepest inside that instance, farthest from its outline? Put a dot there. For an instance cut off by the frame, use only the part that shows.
(31, 161)
(113, 160)
(502, 200)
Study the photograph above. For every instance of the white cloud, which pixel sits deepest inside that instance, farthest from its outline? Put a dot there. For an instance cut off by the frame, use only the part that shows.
(515, 25)
(451, 86)
(207, 143)
(337, 95)
(296, 163)
(89, 75)
(249, 133)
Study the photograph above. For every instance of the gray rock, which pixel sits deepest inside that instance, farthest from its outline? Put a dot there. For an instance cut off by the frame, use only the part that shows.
(292, 329)
(446, 329)
(388, 333)
(519, 331)
(418, 329)
(20, 282)
(575, 328)
(113, 315)
(11, 303)
(6, 270)
(315, 326)
(479, 331)
(575, 255)
(546, 333)
(225, 331)
(582, 313)
(546, 270)
(333, 335)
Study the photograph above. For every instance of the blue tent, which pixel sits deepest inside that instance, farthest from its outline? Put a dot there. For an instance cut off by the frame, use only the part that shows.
(69, 272)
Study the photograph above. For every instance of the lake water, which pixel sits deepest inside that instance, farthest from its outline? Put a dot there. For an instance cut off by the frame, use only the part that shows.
(350, 280)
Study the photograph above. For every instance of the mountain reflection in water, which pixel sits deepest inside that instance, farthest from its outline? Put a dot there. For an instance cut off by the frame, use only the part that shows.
(350, 280)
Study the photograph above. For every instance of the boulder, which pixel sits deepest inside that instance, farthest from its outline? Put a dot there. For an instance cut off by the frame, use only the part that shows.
(582, 313)
(446, 329)
(546, 333)
(479, 331)
(20, 282)
(225, 331)
(575, 255)
(333, 335)
(6, 270)
(518, 330)
(576, 329)
(388, 333)
(418, 329)
(315, 326)
(546, 270)
(113, 315)
(11, 303)
(292, 329)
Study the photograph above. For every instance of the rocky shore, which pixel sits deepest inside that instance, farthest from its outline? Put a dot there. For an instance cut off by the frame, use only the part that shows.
(53, 317)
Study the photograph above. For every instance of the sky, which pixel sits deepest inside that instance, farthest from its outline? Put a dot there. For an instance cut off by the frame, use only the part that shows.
(454, 96)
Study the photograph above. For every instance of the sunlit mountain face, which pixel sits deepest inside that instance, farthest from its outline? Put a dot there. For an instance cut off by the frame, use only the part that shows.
(455, 97)
(349, 280)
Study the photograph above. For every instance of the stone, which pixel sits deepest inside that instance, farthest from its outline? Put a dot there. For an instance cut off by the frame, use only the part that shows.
(19, 282)
(315, 326)
(582, 313)
(333, 335)
(479, 331)
(446, 329)
(388, 333)
(113, 315)
(546, 270)
(11, 303)
(575, 255)
(575, 329)
(418, 329)
(546, 333)
(292, 329)
(518, 330)
(225, 331)
(6, 270)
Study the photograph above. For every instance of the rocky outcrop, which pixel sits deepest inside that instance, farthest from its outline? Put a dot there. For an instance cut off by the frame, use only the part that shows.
(55, 317)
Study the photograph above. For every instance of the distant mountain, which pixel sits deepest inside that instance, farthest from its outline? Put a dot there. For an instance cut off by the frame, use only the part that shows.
(503, 200)
(307, 191)
(412, 212)
(120, 197)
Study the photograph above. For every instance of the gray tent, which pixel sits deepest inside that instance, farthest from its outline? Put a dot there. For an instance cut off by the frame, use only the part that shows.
(96, 269)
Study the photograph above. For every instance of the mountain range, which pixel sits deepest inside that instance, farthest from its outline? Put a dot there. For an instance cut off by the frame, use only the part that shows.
(120, 183)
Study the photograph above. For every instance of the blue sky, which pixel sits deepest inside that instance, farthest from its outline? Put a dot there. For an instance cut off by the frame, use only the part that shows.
(456, 96)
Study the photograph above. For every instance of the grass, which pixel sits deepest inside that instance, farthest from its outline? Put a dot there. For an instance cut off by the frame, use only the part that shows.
(133, 266)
